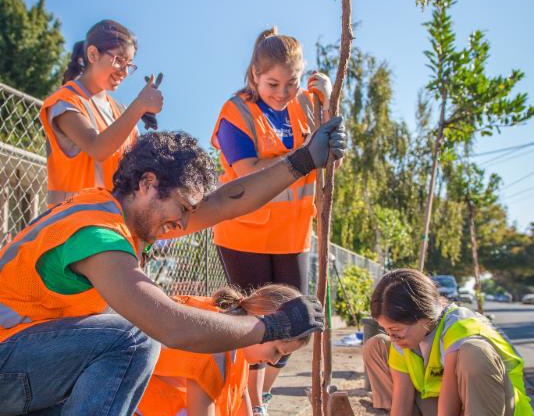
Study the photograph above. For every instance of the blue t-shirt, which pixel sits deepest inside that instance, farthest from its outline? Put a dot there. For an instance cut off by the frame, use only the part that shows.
(236, 144)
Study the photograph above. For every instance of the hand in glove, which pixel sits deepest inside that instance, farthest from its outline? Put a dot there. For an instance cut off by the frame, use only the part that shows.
(294, 319)
(328, 138)
(150, 121)
(321, 85)
(154, 101)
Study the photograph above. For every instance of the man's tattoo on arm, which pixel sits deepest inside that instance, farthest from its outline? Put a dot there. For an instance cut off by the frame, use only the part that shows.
(236, 192)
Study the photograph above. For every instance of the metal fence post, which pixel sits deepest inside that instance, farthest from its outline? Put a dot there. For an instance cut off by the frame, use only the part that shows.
(206, 261)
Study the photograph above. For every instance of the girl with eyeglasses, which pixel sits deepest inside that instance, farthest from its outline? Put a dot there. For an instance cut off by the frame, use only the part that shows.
(438, 359)
(88, 131)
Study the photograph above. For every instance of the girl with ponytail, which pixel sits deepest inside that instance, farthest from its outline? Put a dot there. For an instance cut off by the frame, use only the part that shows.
(87, 130)
(268, 118)
(191, 384)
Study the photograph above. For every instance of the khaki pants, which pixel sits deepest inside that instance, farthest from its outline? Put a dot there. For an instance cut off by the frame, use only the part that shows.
(483, 383)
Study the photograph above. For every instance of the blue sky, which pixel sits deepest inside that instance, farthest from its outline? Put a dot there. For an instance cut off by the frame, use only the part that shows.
(203, 48)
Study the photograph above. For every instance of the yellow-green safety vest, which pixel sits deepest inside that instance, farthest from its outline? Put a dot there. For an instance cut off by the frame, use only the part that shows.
(456, 324)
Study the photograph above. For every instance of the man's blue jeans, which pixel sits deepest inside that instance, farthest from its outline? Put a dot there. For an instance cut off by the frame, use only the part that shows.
(85, 366)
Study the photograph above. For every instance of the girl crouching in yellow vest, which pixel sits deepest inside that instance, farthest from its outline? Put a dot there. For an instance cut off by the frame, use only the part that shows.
(191, 384)
(438, 360)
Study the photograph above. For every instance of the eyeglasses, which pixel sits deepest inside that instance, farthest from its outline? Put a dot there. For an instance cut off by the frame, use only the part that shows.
(120, 63)
(395, 338)
(398, 335)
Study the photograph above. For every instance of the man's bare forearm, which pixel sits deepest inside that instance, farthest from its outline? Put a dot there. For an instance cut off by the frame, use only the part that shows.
(210, 332)
(250, 192)
(125, 287)
(238, 197)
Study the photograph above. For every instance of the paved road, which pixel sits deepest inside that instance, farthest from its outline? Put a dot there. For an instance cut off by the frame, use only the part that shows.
(517, 322)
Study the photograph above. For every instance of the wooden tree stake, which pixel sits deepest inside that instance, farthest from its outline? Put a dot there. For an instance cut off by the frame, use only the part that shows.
(325, 215)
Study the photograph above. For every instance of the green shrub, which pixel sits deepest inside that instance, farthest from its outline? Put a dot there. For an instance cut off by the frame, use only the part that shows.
(354, 295)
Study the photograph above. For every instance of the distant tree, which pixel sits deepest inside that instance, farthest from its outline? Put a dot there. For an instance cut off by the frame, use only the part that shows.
(32, 57)
(368, 217)
(469, 101)
(512, 261)
(467, 186)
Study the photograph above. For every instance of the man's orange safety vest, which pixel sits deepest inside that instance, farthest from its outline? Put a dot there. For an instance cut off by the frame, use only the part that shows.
(24, 299)
(222, 376)
(68, 175)
(283, 225)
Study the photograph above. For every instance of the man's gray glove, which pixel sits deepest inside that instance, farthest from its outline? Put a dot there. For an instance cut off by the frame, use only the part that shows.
(328, 138)
(298, 317)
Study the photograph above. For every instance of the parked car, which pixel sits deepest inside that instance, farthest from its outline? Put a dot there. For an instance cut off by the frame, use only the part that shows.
(489, 297)
(465, 296)
(528, 298)
(503, 297)
(447, 286)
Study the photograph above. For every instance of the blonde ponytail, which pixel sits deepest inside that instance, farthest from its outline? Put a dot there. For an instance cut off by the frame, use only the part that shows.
(262, 301)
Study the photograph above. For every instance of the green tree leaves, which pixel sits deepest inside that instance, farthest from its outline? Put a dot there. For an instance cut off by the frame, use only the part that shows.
(32, 57)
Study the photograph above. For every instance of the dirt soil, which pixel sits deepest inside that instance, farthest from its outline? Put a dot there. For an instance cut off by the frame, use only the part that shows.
(290, 391)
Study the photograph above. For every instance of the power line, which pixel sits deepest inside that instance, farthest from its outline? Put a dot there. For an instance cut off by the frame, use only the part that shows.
(505, 160)
(497, 157)
(525, 198)
(504, 149)
(522, 191)
(519, 180)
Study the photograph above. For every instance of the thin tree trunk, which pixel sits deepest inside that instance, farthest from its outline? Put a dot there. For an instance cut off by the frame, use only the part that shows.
(317, 363)
(326, 209)
(474, 254)
(327, 354)
(431, 186)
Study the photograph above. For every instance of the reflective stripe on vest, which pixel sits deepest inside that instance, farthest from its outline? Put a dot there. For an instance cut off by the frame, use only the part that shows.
(285, 196)
(58, 196)
(306, 190)
(14, 248)
(301, 192)
(220, 360)
(307, 106)
(247, 117)
(8, 317)
(99, 170)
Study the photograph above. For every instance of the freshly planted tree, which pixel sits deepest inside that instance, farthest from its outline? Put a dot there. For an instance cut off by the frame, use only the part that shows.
(469, 100)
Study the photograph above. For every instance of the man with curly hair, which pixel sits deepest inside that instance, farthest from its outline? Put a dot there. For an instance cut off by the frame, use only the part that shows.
(59, 351)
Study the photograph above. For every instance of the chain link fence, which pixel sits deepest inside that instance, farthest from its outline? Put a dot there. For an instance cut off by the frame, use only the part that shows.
(340, 259)
(22, 161)
(189, 265)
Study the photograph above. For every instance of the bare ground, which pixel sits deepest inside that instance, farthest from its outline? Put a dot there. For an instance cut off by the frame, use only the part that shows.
(290, 397)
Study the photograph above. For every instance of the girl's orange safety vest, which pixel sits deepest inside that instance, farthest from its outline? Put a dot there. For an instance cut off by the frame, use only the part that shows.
(283, 225)
(68, 175)
(222, 376)
(24, 299)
